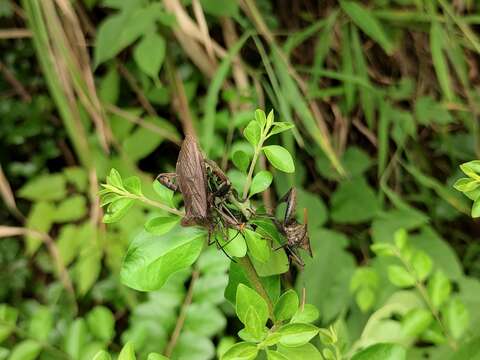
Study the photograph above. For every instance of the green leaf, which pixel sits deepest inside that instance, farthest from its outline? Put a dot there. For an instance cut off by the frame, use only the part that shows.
(466, 184)
(102, 355)
(456, 317)
(143, 141)
(365, 20)
(193, 346)
(382, 352)
(280, 127)
(109, 87)
(260, 182)
(122, 29)
(161, 225)
(471, 169)
(44, 188)
(220, 7)
(439, 288)
(286, 306)
(258, 247)
(128, 352)
(353, 202)
(247, 297)
(476, 208)
(26, 350)
(101, 323)
(234, 245)
(41, 323)
(77, 176)
(400, 277)
(150, 53)
(422, 264)
(88, 266)
(204, 319)
(151, 259)
(164, 193)
(8, 320)
(241, 351)
(307, 351)
(117, 209)
(327, 276)
(133, 185)
(428, 111)
(416, 321)
(71, 209)
(241, 160)
(297, 334)
(279, 157)
(253, 133)
(40, 218)
(115, 179)
(308, 314)
(275, 355)
(437, 36)
(365, 299)
(364, 277)
(253, 324)
(155, 356)
(261, 118)
(76, 338)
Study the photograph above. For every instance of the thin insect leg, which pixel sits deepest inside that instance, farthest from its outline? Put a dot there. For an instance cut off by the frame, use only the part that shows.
(281, 247)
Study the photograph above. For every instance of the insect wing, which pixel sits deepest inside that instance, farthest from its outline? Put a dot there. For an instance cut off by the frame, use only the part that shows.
(191, 180)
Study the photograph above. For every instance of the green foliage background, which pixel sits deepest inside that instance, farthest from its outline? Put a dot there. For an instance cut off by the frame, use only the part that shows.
(381, 102)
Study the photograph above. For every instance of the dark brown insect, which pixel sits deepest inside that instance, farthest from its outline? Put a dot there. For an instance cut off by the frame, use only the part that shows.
(295, 233)
(205, 189)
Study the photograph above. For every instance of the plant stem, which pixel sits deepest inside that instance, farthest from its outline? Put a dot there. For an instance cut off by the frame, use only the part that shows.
(182, 316)
(159, 205)
(252, 275)
(248, 182)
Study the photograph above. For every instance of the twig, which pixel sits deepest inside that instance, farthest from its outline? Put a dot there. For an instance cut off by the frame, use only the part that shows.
(17, 85)
(182, 316)
(8, 197)
(136, 89)
(180, 102)
(15, 33)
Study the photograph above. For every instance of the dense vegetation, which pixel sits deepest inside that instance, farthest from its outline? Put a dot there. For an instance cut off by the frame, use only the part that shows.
(367, 108)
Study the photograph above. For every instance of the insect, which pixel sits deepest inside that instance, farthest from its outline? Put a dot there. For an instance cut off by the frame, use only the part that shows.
(295, 233)
(205, 189)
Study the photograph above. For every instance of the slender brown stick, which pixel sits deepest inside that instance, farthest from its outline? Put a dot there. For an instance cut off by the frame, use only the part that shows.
(17, 85)
(182, 316)
(15, 33)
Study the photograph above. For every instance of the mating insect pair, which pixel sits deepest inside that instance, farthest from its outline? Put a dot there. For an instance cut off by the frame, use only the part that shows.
(206, 193)
(205, 189)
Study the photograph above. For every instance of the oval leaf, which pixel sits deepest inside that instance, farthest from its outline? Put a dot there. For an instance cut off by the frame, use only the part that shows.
(280, 158)
(151, 259)
(260, 182)
(297, 334)
(150, 53)
(241, 351)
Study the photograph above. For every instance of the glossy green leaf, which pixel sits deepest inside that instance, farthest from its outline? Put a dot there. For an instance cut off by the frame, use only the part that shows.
(247, 297)
(275, 355)
(286, 306)
(382, 352)
(234, 244)
(308, 314)
(241, 351)
(261, 118)
(161, 224)
(279, 127)
(297, 334)
(261, 181)
(253, 324)
(416, 322)
(164, 193)
(399, 276)
(155, 356)
(253, 132)
(151, 259)
(307, 351)
(127, 352)
(279, 157)
(258, 247)
(117, 209)
(102, 355)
